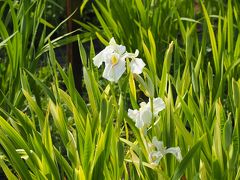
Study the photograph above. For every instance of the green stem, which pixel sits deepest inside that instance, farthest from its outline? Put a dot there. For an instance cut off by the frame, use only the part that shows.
(143, 137)
(152, 121)
(210, 99)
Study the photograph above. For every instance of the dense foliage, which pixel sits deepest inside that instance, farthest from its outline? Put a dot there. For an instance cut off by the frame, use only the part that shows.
(188, 127)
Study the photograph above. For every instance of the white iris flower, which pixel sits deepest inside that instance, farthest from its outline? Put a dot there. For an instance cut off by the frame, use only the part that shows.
(156, 156)
(113, 56)
(114, 59)
(143, 116)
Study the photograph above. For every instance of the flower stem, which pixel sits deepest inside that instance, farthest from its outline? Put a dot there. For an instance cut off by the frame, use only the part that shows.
(152, 121)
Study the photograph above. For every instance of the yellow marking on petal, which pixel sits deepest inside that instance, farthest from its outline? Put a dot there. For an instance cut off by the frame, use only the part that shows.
(114, 60)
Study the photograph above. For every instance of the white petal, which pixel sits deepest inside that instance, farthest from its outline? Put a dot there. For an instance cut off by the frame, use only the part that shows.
(108, 50)
(118, 70)
(98, 59)
(120, 49)
(139, 123)
(175, 151)
(158, 144)
(112, 41)
(107, 72)
(141, 118)
(158, 105)
(146, 116)
(133, 114)
(143, 104)
(156, 156)
(136, 53)
(109, 56)
(137, 65)
(102, 56)
(113, 72)
(132, 55)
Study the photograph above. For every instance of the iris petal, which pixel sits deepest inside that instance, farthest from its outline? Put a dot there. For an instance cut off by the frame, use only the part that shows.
(137, 65)
(161, 151)
(133, 114)
(118, 70)
(146, 116)
(157, 144)
(158, 105)
(98, 59)
(175, 151)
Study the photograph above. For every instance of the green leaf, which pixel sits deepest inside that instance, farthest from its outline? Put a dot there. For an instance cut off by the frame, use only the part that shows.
(153, 47)
(34, 106)
(227, 134)
(166, 69)
(60, 121)
(103, 23)
(59, 25)
(187, 160)
(64, 164)
(88, 148)
(83, 54)
(132, 91)
(92, 90)
(235, 146)
(44, 22)
(137, 134)
(49, 166)
(212, 40)
(46, 136)
(142, 11)
(110, 21)
(7, 171)
(3, 43)
(78, 114)
(210, 77)
(42, 86)
(102, 39)
(187, 111)
(83, 5)
(14, 158)
(143, 85)
(236, 93)
(148, 57)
